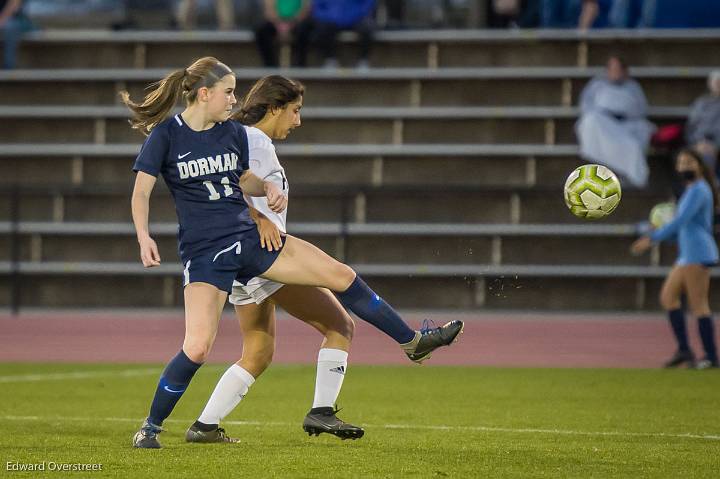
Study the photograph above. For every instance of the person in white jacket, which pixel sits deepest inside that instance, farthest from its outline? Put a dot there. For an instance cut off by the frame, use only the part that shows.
(613, 130)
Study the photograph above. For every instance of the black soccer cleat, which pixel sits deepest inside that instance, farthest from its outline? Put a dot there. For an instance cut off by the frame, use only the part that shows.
(195, 434)
(680, 357)
(428, 339)
(323, 419)
(146, 437)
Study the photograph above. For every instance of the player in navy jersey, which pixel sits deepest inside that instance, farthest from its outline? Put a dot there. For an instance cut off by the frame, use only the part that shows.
(692, 227)
(203, 157)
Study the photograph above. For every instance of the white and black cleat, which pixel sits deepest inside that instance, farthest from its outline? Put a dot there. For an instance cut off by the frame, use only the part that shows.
(429, 338)
(323, 420)
(196, 433)
(147, 437)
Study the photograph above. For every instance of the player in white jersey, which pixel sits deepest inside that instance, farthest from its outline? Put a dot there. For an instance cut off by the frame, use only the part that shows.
(264, 164)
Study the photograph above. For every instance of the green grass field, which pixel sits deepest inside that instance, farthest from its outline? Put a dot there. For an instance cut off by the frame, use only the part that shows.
(419, 421)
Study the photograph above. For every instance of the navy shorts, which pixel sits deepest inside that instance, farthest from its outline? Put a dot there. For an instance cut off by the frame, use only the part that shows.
(241, 261)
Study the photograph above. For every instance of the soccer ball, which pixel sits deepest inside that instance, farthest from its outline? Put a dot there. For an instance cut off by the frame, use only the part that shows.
(661, 213)
(592, 191)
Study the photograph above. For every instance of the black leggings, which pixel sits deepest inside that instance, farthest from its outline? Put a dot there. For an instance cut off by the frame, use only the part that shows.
(266, 40)
(324, 36)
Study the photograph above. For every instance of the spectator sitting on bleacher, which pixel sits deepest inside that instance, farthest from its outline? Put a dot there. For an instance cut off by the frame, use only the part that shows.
(281, 21)
(613, 129)
(329, 17)
(503, 13)
(583, 14)
(702, 131)
(224, 10)
(13, 23)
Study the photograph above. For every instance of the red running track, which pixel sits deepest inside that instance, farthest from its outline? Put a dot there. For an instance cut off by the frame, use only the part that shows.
(532, 340)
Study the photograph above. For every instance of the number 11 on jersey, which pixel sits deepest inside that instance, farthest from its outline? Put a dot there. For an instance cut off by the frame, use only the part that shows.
(214, 195)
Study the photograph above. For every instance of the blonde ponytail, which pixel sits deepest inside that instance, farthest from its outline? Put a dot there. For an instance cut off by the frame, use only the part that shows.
(166, 93)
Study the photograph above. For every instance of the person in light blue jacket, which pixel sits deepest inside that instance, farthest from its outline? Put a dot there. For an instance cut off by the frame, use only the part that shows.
(692, 227)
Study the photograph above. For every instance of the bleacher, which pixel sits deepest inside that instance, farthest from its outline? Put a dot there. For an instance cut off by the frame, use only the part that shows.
(437, 174)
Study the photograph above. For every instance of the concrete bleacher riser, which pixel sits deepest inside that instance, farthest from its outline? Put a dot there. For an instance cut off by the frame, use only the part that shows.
(414, 249)
(538, 294)
(372, 206)
(106, 248)
(313, 130)
(55, 291)
(108, 55)
(361, 171)
(342, 90)
(397, 49)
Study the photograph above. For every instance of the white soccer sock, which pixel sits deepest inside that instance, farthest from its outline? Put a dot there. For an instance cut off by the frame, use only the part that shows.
(332, 364)
(228, 393)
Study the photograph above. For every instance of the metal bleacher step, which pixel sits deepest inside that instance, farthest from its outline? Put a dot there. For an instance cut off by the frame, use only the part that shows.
(397, 270)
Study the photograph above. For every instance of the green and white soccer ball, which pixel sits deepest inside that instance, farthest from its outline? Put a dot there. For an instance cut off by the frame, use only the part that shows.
(661, 213)
(592, 192)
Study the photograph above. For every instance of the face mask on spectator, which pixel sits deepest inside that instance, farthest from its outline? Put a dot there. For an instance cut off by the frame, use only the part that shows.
(688, 175)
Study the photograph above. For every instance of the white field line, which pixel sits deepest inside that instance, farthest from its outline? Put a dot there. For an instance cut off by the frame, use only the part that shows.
(22, 378)
(510, 430)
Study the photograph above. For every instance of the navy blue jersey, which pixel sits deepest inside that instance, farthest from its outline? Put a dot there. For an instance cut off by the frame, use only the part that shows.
(202, 170)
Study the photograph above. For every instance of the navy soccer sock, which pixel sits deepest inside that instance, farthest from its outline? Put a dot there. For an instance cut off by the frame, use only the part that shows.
(677, 322)
(707, 335)
(172, 385)
(370, 307)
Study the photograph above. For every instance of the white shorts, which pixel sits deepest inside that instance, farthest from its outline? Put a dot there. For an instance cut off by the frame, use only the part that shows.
(256, 291)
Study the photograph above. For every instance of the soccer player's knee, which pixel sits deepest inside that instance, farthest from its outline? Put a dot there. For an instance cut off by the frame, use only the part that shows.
(197, 351)
(342, 275)
(668, 302)
(699, 310)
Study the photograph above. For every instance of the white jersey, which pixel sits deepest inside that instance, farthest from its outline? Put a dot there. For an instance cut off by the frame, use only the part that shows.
(264, 164)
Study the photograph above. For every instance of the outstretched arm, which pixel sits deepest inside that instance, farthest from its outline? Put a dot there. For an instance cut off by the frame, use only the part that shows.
(690, 203)
(687, 208)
